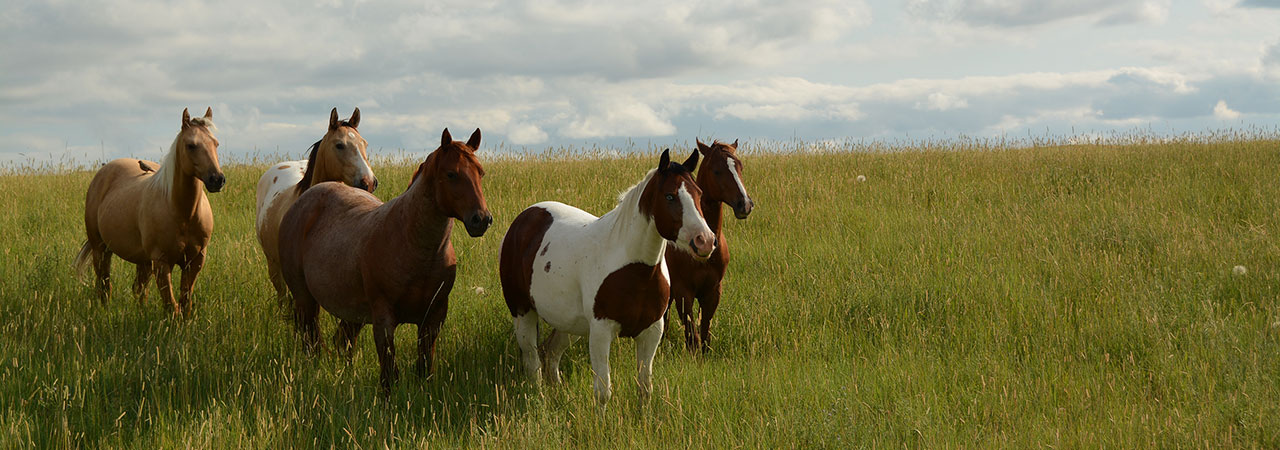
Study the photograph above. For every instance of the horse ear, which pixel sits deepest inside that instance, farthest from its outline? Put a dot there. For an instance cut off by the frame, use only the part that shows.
(208, 113)
(186, 118)
(664, 160)
(735, 144)
(702, 147)
(355, 118)
(333, 119)
(445, 138)
(474, 142)
(692, 162)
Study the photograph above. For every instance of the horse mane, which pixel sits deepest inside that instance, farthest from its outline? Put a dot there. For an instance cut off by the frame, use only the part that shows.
(170, 161)
(633, 193)
(311, 169)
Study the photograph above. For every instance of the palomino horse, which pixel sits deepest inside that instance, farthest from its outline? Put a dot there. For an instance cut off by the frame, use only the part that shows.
(338, 156)
(155, 217)
(601, 277)
(388, 263)
(720, 179)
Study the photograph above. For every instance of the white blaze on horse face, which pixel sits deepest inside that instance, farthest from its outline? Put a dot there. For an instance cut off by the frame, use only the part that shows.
(733, 170)
(691, 223)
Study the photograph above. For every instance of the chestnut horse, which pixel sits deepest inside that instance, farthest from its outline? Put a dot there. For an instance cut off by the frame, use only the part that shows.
(390, 263)
(155, 216)
(720, 179)
(338, 156)
(601, 277)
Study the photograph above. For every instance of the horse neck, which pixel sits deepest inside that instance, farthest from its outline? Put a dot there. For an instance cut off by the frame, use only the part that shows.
(636, 232)
(712, 207)
(183, 190)
(416, 214)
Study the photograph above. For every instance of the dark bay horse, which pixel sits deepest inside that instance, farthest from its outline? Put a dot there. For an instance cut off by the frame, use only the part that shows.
(601, 277)
(338, 156)
(390, 263)
(720, 179)
(155, 215)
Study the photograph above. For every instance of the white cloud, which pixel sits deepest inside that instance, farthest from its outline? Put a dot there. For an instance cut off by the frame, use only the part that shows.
(1223, 112)
(940, 101)
(526, 134)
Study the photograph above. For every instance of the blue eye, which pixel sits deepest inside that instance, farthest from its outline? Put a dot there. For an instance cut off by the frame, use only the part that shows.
(671, 198)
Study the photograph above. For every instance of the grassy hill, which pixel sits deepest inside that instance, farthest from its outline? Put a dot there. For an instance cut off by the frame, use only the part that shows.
(1060, 296)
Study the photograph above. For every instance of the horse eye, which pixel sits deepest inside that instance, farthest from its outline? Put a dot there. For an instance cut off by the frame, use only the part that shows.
(451, 175)
(671, 198)
(340, 146)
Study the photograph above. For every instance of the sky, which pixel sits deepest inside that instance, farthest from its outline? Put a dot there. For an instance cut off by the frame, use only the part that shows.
(109, 78)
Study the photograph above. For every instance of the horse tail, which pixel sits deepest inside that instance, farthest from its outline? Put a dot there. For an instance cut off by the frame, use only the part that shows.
(81, 265)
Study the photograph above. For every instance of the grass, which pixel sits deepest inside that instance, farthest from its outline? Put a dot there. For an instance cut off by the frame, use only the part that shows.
(1064, 296)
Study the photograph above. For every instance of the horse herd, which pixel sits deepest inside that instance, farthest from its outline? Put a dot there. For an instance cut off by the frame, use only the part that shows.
(330, 243)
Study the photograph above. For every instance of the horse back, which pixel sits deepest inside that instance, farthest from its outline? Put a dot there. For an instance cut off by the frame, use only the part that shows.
(320, 238)
(112, 204)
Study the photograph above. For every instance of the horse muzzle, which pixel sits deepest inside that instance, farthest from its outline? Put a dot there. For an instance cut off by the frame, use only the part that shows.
(478, 223)
(215, 182)
(703, 244)
(367, 183)
(743, 208)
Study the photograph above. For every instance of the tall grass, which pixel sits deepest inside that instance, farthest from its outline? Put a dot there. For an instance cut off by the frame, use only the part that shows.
(1062, 295)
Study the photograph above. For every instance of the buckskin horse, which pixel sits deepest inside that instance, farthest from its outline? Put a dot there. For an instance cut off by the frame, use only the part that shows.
(338, 156)
(155, 215)
(720, 179)
(390, 263)
(601, 277)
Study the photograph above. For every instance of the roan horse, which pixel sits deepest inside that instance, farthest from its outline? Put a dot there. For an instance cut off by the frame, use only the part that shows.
(338, 156)
(720, 179)
(601, 277)
(388, 263)
(155, 216)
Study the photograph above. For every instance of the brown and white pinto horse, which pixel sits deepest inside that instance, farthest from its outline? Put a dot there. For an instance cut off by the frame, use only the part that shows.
(338, 156)
(720, 179)
(155, 215)
(388, 263)
(601, 277)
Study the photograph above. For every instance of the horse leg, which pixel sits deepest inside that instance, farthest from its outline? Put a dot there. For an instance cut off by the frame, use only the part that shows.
(277, 282)
(305, 315)
(552, 349)
(527, 337)
(102, 271)
(647, 346)
(601, 338)
(140, 281)
(708, 302)
(344, 338)
(384, 335)
(428, 331)
(164, 281)
(189, 274)
(683, 298)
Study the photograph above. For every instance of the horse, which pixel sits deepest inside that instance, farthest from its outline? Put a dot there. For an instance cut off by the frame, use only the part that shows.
(155, 215)
(601, 277)
(338, 156)
(720, 179)
(390, 263)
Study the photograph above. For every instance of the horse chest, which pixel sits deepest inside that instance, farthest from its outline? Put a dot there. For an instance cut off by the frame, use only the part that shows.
(635, 296)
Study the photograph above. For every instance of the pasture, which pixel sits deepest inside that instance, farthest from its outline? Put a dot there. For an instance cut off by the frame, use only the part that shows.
(1059, 296)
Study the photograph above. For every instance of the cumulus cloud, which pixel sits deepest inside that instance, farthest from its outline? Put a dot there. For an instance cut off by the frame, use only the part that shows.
(1222, 112)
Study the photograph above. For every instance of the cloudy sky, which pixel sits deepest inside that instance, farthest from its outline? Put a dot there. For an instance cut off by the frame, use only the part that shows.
(84, 80)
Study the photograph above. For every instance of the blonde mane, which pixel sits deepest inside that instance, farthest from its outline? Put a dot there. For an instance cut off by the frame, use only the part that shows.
(170, 162)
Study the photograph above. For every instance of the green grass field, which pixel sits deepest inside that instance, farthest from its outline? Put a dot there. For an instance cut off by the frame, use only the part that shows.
(1077, 296)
